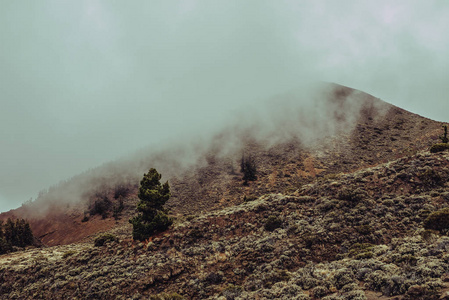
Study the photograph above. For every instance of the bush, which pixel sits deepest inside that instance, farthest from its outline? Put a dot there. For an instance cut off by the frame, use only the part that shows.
(440, 147)
(249, 198)
(68, 253)
(232, 291)
(105, 238)
(101, 207)
(272, 223)
(364, 229)
(167, 296)
(121, 191)
(350, 195)
(430, 178)
(249, 169)
(214, 278)
(416, 292)
(117, 209)
(438, 220)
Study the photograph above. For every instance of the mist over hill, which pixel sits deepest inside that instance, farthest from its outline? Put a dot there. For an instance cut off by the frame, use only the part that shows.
(295, 137)
(347, 204)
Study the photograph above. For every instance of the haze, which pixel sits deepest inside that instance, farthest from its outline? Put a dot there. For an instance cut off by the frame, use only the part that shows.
(86, 82)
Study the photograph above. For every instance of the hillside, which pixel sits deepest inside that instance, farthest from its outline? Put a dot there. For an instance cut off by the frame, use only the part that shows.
(357, 235)
(343, 131)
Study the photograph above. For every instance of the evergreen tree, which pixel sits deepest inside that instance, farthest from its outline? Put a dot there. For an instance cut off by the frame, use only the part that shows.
(152, 216)
(444, 138)
(10, 232)
(248, 168)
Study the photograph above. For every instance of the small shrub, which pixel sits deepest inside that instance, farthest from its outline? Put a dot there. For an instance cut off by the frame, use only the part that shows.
(272, 223)
(195, 234)
(190, 217)
(361, 251)
(275, 276)
(438, 220)
(121, 191)
(430, 178)
(429, 235)
(343, 277)
(440, 147)
(68, 253)
(232, 291)
(105, 238)
(167, 296)
(249, 198)
(364, 229)
(319, 291)
(85, 219)
(310, 239)
(350, 195)
(214, 278)
(101, 207)
(117, 209)
(417, 292)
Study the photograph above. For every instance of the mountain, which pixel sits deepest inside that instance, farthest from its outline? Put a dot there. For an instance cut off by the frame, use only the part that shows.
(343, 190)
(342, 131)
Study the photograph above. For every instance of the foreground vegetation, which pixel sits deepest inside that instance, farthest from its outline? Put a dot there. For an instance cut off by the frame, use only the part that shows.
(378, 231)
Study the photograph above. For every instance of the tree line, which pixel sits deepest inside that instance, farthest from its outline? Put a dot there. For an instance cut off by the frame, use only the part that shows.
(15, 233)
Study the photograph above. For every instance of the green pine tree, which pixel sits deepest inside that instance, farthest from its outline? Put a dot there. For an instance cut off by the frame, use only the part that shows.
(1, 229)
(152, 217)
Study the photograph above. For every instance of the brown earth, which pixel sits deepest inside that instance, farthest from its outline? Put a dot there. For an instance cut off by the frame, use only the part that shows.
(382, 133)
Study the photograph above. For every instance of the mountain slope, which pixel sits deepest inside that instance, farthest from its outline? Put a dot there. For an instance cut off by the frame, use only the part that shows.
(341, 130)
(358, 235)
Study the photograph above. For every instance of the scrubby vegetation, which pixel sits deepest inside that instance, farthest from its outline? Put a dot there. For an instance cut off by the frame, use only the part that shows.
(15, 233)
(272, 223)
(379, 230)
(105, 238)
(152, 216)
(444, 145)
(440, 147)
(438, 220)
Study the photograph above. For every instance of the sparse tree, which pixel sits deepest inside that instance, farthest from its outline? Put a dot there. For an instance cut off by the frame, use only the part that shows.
(10, 232)
(152, 216)
(444, 138)
(249, 169)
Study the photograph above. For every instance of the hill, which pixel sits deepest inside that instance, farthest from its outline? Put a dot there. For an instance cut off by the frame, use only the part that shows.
(345, 206)
(358, 235)
(337, 129)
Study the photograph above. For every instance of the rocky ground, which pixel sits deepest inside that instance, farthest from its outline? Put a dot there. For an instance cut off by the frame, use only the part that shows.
(357, 235)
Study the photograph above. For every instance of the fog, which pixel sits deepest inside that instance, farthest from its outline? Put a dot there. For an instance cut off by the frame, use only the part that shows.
(86, 82)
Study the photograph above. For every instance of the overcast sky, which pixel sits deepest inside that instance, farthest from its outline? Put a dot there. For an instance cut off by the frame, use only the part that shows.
(86, 82)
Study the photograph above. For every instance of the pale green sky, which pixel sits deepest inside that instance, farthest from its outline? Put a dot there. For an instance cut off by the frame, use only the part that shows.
(84, 82)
